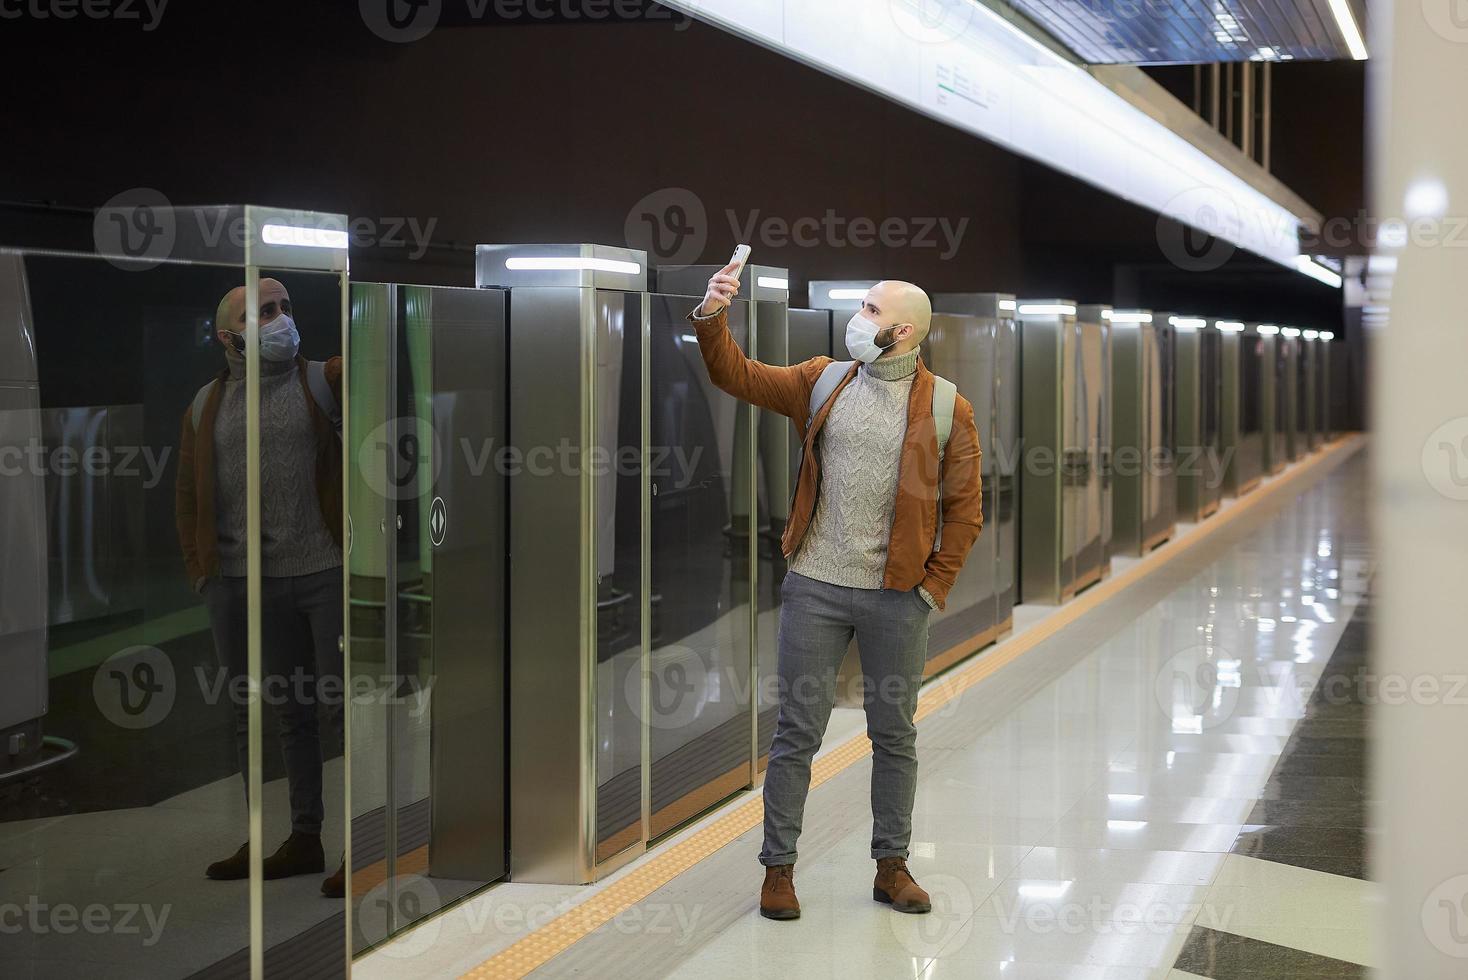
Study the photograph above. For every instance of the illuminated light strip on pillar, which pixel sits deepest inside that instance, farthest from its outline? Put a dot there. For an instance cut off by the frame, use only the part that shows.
(547, 263)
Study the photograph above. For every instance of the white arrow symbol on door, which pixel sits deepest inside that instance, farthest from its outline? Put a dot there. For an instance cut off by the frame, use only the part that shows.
(438, 521)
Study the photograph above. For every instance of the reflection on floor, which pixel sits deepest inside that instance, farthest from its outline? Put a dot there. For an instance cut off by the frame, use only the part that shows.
(1092, 810)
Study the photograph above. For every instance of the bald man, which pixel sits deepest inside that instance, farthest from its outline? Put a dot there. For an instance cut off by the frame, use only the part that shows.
(865, 559)
(300, 545)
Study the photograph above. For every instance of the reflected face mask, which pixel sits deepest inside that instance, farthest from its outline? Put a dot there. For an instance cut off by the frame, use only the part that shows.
(861, 339)
(279, 339)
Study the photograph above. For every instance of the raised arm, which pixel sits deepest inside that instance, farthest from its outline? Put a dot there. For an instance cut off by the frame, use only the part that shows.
(780, 389)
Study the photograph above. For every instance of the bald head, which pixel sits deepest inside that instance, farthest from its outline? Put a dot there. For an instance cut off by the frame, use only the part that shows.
(229, 316)
(902, 307)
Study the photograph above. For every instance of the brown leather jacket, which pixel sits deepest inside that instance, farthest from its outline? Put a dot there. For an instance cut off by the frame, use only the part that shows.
(194, 489)
(911, 560)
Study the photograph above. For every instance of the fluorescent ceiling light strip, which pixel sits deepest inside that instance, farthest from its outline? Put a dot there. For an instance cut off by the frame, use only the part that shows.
(549, 263)
(1007, 304)
(988, 77)
(1047, 309)
(846, 294)
(1127, 316)
(1229, 326)
(773, 282)
(1188, 322)
(302, 236)
(1346, 21)
(1315, 270)
(1268, 329)
(1290, 331)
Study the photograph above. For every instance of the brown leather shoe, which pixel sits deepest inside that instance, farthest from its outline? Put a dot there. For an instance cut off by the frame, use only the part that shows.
(777, 898)
(895, 887)
(299, 854)
(336, 885)
(236, 867)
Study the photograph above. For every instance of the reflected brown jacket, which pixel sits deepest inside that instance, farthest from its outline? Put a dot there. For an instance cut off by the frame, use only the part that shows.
(911, 560)
(193, 493)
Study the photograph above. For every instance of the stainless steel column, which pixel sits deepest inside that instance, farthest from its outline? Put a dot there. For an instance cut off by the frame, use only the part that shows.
(1310, 347)
(1325, 415)
(578, 545)
(23, 547)
(1196, 379)
(962, 346)
(1144, 487)
(1289, 362)
(1276, 455)
(1241, 438)
(1054, 472)
(1093, 557)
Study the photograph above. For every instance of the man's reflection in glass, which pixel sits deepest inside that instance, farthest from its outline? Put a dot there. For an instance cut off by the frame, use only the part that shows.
(300, 546)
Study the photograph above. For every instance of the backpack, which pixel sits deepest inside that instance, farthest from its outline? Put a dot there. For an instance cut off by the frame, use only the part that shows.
(315, 381)
(944, 393)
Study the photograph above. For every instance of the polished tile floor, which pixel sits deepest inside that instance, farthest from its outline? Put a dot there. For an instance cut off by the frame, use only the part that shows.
(1171, 786)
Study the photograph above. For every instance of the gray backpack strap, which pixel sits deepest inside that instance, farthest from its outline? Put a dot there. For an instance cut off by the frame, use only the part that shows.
(321, 393)
(827, 383)
(200, 400)
(944, 393)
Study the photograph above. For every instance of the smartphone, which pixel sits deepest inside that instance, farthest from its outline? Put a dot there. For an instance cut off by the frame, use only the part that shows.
(740, 256)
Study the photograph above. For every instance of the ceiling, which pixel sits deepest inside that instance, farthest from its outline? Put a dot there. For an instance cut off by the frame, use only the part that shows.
(1162, 32)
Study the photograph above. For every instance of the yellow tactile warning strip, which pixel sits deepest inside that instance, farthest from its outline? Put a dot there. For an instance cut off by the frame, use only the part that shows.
(538, 948)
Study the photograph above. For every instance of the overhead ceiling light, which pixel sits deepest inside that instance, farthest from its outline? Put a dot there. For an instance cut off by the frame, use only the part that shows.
(846, 294)
(1188, 322)
(773, 282)
(1128, 316)
(1007, 304)
(1229, 326)
(575, 263)
(1327, 335)
(1268, 329)
(1047, 309)
(1346, 21)
(1311, 334)
(1315, 270)
(1290, 331)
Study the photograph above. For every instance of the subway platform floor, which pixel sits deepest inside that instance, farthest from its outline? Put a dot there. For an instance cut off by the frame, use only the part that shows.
(1165, 781)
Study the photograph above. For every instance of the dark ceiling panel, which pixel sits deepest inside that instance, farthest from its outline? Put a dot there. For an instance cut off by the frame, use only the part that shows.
(1164, 32)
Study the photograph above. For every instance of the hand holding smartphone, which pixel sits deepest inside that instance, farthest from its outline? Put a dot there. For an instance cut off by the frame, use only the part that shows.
(724, 285)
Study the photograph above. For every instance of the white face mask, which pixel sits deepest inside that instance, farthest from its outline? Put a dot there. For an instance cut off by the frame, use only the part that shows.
(861, 339)
(279, 339)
